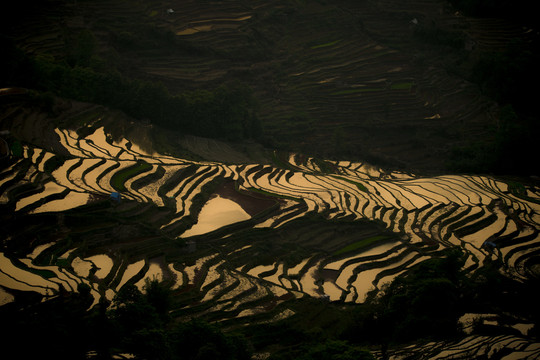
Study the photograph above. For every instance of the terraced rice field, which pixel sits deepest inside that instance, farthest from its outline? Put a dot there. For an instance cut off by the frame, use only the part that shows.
(364, 83)
(237, 242)
(503, 346)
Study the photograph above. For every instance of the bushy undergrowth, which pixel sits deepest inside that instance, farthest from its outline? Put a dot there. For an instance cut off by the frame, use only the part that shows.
(226, 112)
(138, 323)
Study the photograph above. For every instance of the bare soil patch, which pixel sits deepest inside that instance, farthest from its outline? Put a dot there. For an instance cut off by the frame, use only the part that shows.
(251, 203)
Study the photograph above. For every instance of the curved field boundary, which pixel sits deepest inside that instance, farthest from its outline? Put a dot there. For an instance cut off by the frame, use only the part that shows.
(418, 216)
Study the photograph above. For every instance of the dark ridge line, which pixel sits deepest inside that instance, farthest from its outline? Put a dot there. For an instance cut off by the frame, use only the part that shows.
(172, 181)
(444, 185)
(522, 240)
(402, 220)
(40, 157)
(430, 212)
(327, 205)
(383, 262)
(395, 270)
(106, 171)
(259, 171)
(436, 221)
(99, 149)
(464, 221)
(462, 184)
(188, 183)
(389, 187)
(27, 284)
(187, 179)
(89, 169)
(21, 190)
(46, 199)
(362, 259)
(131, 190)
(148, 179)
(425, 197)
(476, 226)
(340, 191)
(445, 224)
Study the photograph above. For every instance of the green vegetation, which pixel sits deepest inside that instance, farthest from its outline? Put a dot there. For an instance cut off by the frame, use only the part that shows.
(16, 149)
(357, 90)
(315, 332)
(402, 86)
(47, 274)
(326, 167)
(518, 189)
(506, 76)
(397, 86)
(410, 307)
(360, 186)
(330, 349)
(362, 244)
(120, 177)
(332, 43)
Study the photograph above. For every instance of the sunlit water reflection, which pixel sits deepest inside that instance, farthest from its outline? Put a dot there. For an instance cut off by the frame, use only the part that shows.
(216, 213)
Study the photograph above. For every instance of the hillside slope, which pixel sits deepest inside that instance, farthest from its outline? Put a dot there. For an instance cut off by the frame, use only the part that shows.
(267, 180)
(382, 81)
(249, 245)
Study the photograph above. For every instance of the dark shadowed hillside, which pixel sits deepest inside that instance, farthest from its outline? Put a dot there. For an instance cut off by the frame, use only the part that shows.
(416, 85)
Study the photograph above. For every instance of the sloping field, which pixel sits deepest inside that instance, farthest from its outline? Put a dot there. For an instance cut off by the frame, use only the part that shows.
(370, 88)
(337, 234)
(505, 346)
(244, 235)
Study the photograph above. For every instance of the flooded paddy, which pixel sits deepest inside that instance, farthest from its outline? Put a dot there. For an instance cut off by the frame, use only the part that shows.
(16, 278)
(103, 263)
(424, 213)
(70, 201)
(216, 213)
(39, 249)
(82, 267)
(377, 250)
(50, 188)
(260, 269)
(131, 271)
(290, 248)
